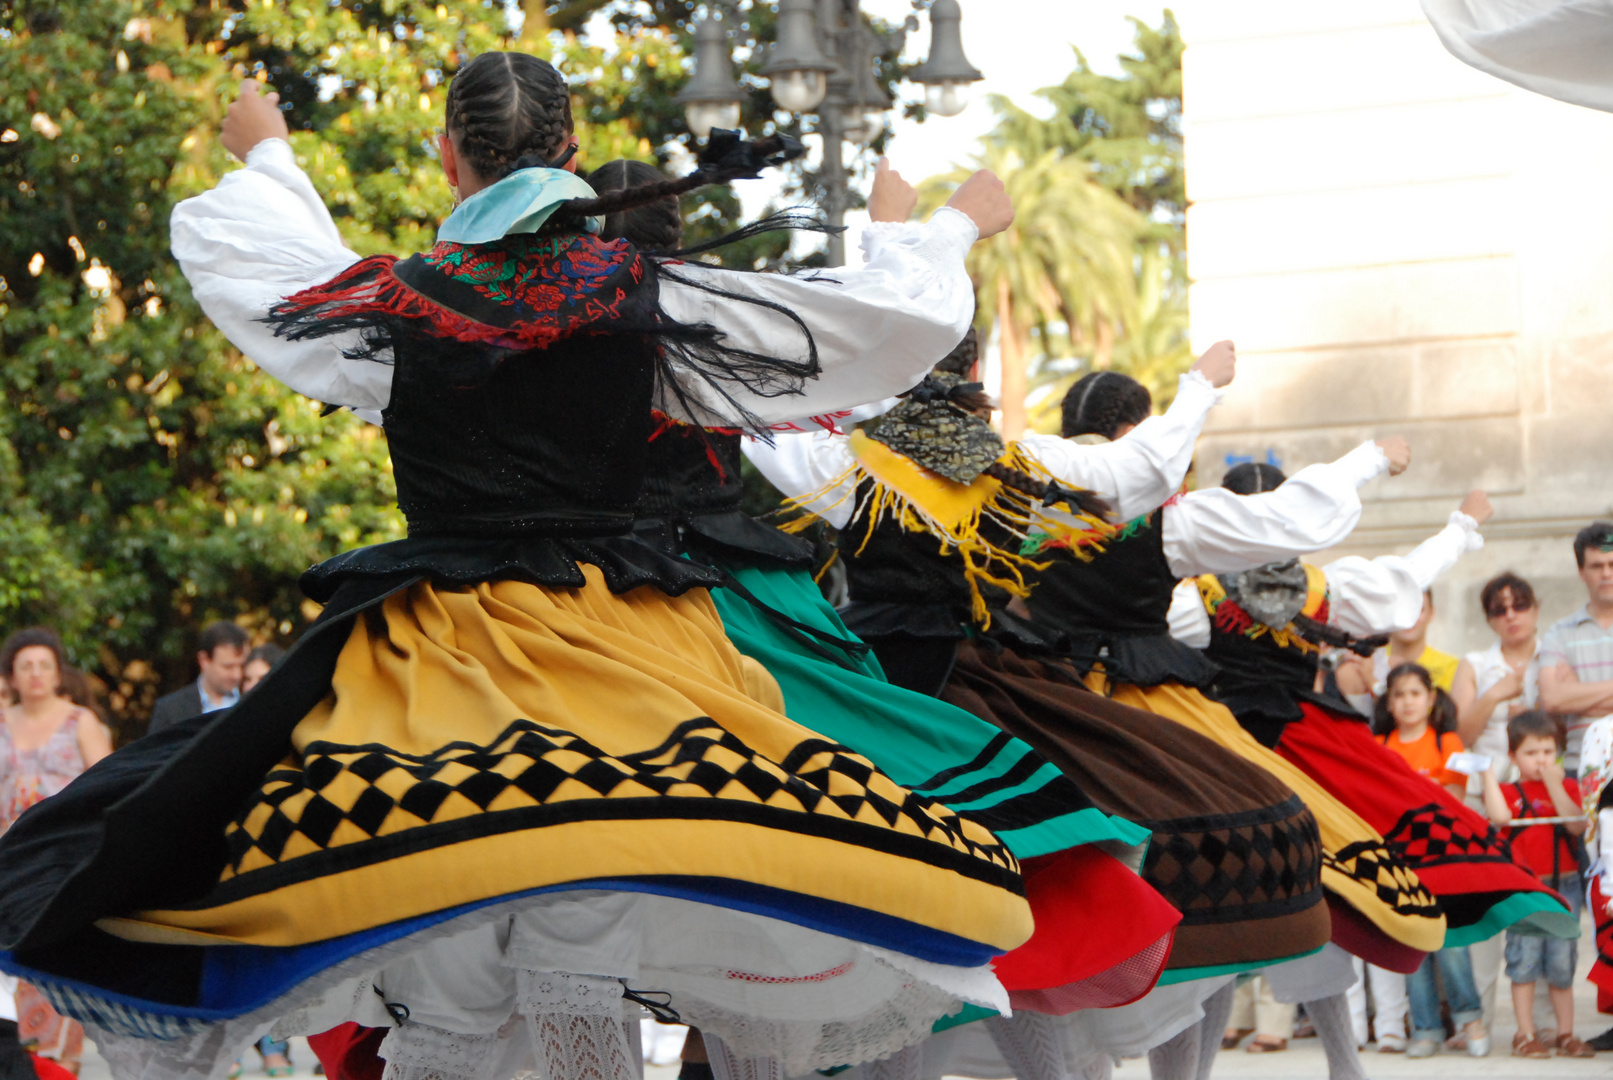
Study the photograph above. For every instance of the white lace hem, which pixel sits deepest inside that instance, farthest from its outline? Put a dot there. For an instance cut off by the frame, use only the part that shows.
(765, 988)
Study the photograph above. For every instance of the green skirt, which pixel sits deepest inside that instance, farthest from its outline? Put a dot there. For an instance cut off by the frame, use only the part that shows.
(935, 749)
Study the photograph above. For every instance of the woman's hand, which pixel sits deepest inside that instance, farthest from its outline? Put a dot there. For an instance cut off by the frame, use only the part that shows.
(891, 198)
(1398, 451)
(1506, 688)
(1477, 506)
(1218, 364)
(250, 119)
(984, 199)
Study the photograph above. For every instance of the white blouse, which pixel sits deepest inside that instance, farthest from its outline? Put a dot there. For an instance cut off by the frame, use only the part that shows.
(1136, 472)
(263, 233)
(1365, 596)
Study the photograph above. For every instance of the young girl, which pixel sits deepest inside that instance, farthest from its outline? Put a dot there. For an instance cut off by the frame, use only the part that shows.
(1417, 720)
(517, 772)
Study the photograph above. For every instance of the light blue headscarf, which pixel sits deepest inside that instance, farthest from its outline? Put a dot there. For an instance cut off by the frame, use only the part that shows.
(519, 203)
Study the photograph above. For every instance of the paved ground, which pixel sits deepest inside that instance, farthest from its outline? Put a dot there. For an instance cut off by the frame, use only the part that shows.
(1302, 1061)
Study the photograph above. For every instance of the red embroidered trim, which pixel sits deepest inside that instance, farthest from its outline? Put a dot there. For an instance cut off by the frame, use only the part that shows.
(665, 423)
(537, 285)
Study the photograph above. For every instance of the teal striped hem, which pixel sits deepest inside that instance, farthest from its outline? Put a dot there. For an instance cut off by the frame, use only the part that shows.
(1087, 826)
(1173, 976)
(1533, 914)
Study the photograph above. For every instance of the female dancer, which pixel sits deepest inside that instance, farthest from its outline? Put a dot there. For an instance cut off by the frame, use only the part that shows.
(906, 543)
(515, 767)
(776, 615)
(1268, 672)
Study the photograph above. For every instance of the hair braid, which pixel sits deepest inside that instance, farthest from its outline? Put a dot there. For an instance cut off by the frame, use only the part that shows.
(1101, 401)
(1079, 500)
(503, 106)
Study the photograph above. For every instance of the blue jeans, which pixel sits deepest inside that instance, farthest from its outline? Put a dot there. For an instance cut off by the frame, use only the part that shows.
(1456, 969)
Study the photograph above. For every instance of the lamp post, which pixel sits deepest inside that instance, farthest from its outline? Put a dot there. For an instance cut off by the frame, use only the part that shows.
(822, 64)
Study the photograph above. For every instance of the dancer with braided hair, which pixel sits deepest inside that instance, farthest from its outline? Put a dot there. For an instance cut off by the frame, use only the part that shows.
(516, 773)
(776, 615)
(1266, 628)
(1194, 796)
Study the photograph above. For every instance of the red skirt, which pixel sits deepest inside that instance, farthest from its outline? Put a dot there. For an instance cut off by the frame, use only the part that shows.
(1460, 857)
(1601, 973)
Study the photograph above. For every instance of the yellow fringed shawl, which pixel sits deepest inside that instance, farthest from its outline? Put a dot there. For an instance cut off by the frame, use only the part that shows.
(923, 501)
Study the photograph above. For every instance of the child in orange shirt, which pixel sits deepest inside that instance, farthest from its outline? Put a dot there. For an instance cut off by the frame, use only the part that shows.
(1417, 720)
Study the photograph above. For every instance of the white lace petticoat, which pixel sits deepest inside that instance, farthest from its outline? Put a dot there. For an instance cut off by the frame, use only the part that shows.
(537, 985)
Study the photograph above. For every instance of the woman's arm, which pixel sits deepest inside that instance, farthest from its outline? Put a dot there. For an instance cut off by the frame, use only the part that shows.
(1215, 531)
(262, 234)
(802, 464)
(1375, 596)
(1137, 472)
(94, 738)
(877, 329)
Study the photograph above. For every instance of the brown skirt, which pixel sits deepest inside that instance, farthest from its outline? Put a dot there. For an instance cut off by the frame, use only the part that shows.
(1233, 848)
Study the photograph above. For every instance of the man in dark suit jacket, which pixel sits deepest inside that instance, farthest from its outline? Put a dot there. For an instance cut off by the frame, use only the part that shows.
(221, 654)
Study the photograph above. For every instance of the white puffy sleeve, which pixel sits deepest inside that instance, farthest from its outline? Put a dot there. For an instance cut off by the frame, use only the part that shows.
(1559, 48)
(801, 464)
(1214, 531)
(1189, 621)
(878, 328)
(1376, 596)
(1140, 470)
(262, 234)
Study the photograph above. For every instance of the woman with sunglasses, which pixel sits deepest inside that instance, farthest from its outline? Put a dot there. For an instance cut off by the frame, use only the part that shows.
(1494, 684)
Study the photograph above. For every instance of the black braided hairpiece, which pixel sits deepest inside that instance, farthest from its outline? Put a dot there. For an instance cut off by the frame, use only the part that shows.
(1051, 492)
(727, 156)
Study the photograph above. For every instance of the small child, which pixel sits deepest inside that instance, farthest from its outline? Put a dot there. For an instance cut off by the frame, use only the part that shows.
(1536, 743)
(1417, 720)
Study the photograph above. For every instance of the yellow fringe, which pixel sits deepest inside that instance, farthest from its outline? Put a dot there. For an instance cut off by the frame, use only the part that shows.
(925, 502)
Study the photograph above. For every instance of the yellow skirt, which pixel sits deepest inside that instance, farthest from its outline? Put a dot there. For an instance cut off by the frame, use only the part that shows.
(485, 742)
(1356, 864)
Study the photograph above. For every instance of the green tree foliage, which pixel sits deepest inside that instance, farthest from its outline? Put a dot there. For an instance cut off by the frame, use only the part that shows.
(1120, 134)
(154, 479)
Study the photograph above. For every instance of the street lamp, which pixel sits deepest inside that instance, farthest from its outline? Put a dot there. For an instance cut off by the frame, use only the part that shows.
(823, 64)
(711, 100)
(947, 73)
(797, 67)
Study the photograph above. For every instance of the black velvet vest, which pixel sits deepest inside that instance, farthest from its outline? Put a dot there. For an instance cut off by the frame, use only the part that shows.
(1115, 608)
(690, 501)
(901, 582)
(1262, 678)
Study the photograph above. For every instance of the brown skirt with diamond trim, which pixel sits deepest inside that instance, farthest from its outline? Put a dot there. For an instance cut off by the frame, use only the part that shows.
(1382, 910)
(1233, 848)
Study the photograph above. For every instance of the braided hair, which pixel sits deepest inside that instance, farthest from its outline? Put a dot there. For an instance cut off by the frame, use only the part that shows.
(655, 227)
(506, 110)
(1050, 492)
(1102, 402)
(1252, 477)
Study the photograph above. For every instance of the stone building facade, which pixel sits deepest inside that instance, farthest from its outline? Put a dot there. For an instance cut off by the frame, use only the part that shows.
(1402, 245)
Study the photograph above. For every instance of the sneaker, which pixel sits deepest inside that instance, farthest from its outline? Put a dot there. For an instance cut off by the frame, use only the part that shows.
(1529, 1046)
(1601, 1042)
(1392, 1044)
(1422, 1048)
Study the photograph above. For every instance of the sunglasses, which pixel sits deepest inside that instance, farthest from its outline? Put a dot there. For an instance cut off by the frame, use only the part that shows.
(1508, 607)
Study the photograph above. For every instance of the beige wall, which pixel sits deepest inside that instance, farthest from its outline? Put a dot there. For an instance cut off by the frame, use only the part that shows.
(1401, 244)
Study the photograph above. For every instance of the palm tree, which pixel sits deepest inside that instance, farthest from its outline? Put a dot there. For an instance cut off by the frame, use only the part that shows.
(1154, 353)
(1061, 279)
